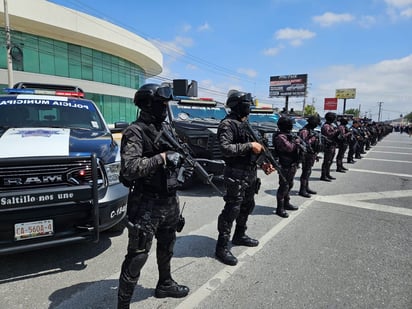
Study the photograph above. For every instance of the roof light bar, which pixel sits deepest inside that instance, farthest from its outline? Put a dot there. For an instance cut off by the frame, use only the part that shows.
(195, 101)
(262, 110)
(61, 93)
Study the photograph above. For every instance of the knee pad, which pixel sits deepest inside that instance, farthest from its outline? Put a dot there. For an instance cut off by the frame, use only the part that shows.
(136, 264)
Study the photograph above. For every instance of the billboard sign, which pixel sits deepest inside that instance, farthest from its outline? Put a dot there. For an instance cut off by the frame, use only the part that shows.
(331, 104)
(348, 93)
(288, 85)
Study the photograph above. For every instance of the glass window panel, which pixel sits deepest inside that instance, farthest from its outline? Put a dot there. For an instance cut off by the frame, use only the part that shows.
(87, 63)
(46, 53)
(97, 66)
(60, 59)
(31, 62)
(107, 76)
(74, 56)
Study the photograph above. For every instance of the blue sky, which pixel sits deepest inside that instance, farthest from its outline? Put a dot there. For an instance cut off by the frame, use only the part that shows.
(229, 44)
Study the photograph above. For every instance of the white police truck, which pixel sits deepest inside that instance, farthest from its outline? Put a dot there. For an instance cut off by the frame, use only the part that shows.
(59, 169)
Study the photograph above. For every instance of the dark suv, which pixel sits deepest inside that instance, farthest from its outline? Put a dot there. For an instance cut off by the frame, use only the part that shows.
(264, 120)
(59, 169)
(195, 121)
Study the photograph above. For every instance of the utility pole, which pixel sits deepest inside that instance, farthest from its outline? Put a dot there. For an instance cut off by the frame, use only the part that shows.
(8, 45)
(380, 109)
(303, 107)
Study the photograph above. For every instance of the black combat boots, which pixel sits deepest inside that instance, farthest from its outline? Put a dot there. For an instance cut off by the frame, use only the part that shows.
(170, 288)
(303, 188)
(310, 191)
(280, 210)
(323, 175)
(241, 239)
(288, 205)
(222, 252)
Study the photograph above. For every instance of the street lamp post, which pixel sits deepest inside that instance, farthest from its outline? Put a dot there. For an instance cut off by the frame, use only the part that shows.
(8, 45)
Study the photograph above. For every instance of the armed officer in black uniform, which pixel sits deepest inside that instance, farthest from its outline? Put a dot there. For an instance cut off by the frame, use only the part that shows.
(329, 132)
(288, 148)
(342, 142)
(312, 140)
(150, 170)
(240, 176)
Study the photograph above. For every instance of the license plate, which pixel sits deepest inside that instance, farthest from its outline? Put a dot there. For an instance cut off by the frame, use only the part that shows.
(27, 230)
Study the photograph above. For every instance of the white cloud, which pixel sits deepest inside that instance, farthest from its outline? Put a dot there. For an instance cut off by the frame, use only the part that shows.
(248, 72)
(204, 27)
(273, 51)
(187, 27)
(184, 41)
(387, 81)
(407, 12)
(367, 21)
(398, 3)
(399, 8)
(330, 18)
(174, 49)
(294, 36)
(191, 67)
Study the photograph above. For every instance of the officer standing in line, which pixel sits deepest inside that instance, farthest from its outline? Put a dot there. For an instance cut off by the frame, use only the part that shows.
(342, 142)
(150, 170)
(311, 138)
(240, 176)
(329, 132)
(287, 147)
(353, 143)
(357, 133)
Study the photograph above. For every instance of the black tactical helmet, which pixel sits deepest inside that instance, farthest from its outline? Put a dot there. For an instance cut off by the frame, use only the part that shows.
(343, 121)
(285, 124)
(239, 102)
(313, 121)
(330, 116)
(235, 97)
(148, 93)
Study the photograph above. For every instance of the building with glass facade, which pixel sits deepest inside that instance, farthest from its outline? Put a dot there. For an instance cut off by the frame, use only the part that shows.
(53, 44)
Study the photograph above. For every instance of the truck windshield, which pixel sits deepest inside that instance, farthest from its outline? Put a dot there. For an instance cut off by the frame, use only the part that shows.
(42, 111)
(185, 112)
(263, 118)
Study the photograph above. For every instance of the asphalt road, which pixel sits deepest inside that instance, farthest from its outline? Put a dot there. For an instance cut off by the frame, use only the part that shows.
(349, 246)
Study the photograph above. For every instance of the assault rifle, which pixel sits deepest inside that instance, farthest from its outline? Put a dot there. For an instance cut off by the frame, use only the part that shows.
(303, 146)
(167, 136)
(265, 154)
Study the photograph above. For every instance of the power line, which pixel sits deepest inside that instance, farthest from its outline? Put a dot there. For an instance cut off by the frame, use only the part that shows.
(170, 51)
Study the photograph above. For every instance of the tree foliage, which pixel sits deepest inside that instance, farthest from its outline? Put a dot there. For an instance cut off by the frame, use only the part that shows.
(353, 111)
(310, 110)
(408, 117)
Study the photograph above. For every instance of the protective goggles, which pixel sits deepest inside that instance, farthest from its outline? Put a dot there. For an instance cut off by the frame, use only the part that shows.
(164, 93)
(247, 97)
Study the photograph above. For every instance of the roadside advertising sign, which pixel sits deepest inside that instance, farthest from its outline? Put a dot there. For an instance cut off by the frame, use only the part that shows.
(288, 85)
(331, 104)
(347, 93)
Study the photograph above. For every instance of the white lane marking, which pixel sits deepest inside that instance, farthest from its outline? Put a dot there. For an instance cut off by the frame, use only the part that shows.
(400, 153)
(391, 147)
(371, 195)
(344, 200)
(386, 160)
(381, 173)
(195, 297)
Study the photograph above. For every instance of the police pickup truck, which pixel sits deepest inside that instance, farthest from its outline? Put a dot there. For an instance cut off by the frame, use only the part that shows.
(195, 121)
(59, 168)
